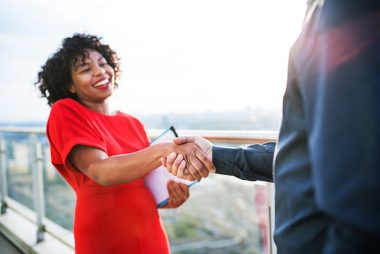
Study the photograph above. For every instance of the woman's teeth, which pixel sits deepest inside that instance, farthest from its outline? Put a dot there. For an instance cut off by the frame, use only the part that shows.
(101, 83)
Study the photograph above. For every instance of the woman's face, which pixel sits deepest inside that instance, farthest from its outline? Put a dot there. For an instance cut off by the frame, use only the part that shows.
(93, 78)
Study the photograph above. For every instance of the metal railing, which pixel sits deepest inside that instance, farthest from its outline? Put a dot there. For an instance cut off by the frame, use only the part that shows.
(3, 174)
(39, 197)
(224, 137)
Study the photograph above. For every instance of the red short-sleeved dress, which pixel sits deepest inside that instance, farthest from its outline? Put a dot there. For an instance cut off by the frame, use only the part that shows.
(108, 219)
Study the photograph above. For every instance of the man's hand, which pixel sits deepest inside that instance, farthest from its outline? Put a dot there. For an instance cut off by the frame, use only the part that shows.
(179, 166)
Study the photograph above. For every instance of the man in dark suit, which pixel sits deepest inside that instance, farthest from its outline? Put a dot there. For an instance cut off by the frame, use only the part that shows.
(327, 158)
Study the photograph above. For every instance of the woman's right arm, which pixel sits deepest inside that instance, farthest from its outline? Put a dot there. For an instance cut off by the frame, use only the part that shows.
(110, 170)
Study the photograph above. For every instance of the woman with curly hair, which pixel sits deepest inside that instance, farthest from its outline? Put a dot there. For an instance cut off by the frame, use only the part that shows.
(104, 155)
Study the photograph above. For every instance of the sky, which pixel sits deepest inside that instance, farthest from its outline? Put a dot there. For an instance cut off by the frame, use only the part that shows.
(177, 56)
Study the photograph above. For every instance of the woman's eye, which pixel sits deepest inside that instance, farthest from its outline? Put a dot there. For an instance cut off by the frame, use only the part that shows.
(84, 70)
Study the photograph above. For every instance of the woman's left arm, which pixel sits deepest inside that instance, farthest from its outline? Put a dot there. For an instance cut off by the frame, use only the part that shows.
(178, 194)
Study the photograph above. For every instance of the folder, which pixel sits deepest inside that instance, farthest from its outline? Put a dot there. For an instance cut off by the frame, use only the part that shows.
(156, 181)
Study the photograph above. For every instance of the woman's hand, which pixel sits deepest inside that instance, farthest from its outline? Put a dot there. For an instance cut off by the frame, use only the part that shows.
(178, 194)
(182, 163)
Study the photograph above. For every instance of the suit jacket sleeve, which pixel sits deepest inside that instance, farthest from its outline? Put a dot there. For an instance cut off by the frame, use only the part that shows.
(254, 162)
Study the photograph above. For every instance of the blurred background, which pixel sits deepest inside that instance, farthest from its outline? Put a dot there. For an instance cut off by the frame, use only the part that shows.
(198, 65)
(178, 57)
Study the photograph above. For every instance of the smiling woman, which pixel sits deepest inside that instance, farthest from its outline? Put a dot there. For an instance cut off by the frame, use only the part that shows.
(105, 156)
(72, 71)
(93, 80)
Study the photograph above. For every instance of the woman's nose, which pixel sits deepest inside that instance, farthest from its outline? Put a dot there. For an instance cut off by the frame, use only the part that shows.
(99, 70)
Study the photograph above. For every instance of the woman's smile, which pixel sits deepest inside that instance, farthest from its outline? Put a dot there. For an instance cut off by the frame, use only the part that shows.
(103, 84)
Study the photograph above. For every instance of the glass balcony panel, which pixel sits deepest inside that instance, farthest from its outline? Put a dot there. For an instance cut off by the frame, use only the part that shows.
(19, 164)
(59, 197)
(222, 215)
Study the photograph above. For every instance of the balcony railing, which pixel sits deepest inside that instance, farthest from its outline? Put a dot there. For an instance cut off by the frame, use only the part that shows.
(31, 189)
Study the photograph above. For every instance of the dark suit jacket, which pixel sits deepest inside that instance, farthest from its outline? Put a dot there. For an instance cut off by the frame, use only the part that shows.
(327, 162)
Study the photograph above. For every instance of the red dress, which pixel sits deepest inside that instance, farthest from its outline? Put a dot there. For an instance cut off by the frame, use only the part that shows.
(108, 219)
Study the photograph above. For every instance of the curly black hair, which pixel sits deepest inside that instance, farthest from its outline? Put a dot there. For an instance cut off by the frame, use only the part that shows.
(55, 78)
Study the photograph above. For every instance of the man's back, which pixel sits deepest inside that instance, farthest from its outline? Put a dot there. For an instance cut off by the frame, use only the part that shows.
(327, 164)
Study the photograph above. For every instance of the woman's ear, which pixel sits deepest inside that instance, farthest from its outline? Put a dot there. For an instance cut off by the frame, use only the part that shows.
(72, 88)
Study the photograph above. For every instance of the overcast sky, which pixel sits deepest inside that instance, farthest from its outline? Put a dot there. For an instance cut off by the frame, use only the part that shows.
(177, 56)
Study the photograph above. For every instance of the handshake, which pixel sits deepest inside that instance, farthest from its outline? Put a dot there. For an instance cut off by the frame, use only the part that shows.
(191, 159)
